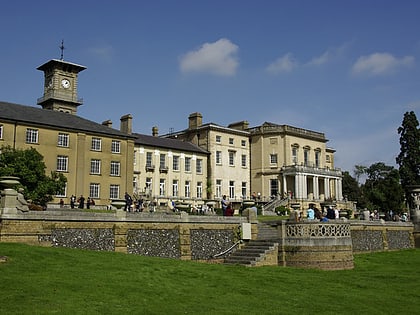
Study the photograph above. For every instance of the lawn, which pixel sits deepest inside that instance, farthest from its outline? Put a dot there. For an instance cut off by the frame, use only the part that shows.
(39, 280)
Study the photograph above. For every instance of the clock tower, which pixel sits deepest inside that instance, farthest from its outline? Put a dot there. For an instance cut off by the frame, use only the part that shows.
(60, 86)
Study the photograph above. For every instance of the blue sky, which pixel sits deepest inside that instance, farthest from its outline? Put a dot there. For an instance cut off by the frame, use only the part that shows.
(349, 69)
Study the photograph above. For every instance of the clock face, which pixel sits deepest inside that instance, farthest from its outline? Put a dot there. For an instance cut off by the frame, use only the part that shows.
(65, 83)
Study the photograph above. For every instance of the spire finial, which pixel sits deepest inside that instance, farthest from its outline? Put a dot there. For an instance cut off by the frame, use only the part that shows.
(62, 50)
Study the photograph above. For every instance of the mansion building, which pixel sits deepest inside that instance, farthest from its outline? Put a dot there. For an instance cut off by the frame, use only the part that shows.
(203, 162)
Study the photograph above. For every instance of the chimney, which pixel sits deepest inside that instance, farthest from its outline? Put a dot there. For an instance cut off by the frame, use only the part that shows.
(126, 125)
(107, 123)
(195, 120)
(240, 125)
(155, 131)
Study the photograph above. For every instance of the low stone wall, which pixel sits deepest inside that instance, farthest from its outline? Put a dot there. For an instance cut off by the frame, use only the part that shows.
(372, 236)
(178, 236)
(319, 245)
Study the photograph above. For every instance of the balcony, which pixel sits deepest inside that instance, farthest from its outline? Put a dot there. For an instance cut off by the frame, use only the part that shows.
(163, 169)
(150, 168)
(59, 95)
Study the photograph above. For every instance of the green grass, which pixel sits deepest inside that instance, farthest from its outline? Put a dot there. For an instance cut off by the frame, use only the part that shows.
(39, 280)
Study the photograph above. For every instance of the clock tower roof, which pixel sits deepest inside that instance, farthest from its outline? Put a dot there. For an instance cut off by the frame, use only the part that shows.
(61, 64)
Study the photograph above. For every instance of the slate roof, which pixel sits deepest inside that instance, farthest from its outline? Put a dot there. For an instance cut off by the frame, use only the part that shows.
(55, 120)
(167, 143)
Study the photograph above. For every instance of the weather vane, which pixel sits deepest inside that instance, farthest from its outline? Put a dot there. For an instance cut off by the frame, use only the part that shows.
(62, 50)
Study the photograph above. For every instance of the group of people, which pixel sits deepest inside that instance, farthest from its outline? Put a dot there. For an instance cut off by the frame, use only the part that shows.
(314, 213)
(80, 201)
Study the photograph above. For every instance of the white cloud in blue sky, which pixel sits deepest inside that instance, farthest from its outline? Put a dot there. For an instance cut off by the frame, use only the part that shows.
(380, 63)
(219, 58)
(286, 63)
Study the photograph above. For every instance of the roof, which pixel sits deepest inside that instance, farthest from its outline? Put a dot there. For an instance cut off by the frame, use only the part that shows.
(54, 120)
(167, 143)
(54, 62)
(210, 126)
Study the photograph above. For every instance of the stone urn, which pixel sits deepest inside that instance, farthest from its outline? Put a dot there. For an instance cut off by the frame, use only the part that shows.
(118, 203)
(8, 182)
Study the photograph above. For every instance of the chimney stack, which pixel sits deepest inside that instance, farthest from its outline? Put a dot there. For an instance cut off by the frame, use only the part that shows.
(107, 123)
(155, 131)
(195, 120)
(126, 125)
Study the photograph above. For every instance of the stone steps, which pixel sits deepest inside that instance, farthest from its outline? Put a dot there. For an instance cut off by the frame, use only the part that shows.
(253, 252)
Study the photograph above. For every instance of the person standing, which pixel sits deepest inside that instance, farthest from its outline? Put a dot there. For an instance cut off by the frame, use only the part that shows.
(72, 201)
(310, 213)
(128, 202)
(81, 202)
(225, 204)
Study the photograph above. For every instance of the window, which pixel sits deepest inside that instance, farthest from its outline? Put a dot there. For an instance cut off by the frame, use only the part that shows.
(94, 190)
(162, 187)
(243, 160)
(188, 164)
(96, 144)
(218, 139)
(175, 162)
(62, 193)
(317, 158)
(273, 158)
(218, 188)
(162, 161)
(243, 143)
(231, 158)
(116, 146)
(327, 158)
(294, 155)
(199, 190)
(31, 135)
(219, 157)
(199, 166)
(187, 189)
(149, 159)
(1, 131)
(148, 187)
(231, 141)
(243, 189)
(114, 191)
(115, 168)
(63, 140)
(306, 157)
(95, 166)
(274, 187)
(175, 188)
(231, 189)
(62, 163)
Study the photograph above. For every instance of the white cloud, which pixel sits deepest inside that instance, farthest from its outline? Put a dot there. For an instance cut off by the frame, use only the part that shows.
(320, 60)
(283, 64)
(218, 58)
(380, 63)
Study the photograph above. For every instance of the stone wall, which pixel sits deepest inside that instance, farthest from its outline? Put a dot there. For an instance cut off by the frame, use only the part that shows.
(372, 236)
(178, 236)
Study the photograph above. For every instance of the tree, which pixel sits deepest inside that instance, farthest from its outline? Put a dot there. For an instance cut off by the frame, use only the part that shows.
(351, 189)
(409, 157)
(29, 166)
(382, 188)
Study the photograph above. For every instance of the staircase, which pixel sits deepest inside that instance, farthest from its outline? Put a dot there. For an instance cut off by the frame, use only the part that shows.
(259, 252)
(270, 207)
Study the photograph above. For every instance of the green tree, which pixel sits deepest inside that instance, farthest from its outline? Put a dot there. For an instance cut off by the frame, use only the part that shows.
(382, 188)
(409, 157)
(29, 166)
(351, 189)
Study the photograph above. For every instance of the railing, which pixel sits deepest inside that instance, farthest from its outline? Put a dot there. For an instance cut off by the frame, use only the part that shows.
(60, 95)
